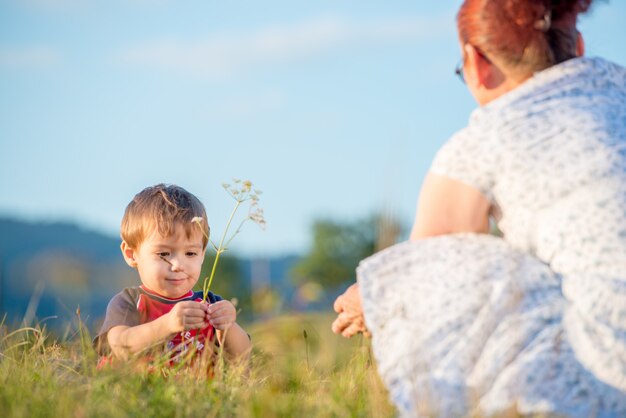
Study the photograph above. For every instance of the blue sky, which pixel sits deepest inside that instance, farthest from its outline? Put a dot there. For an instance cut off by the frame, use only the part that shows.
(333, 108)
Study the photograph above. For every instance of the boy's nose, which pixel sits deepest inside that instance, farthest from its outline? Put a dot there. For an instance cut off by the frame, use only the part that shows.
(176, 265)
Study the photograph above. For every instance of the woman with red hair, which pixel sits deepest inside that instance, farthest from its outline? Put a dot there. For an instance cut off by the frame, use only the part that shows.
(464, 322)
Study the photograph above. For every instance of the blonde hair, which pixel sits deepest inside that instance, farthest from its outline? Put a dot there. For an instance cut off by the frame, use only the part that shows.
(161, 208)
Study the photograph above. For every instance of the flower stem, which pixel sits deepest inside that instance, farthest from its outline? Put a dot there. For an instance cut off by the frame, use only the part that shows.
(207, 285)
(220, 250)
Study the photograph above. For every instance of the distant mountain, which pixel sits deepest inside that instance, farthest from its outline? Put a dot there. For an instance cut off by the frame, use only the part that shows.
(19, 238)
(56, 267)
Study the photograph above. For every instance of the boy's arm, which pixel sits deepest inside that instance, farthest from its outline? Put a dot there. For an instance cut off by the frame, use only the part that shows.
(125, 340)
(235, 341)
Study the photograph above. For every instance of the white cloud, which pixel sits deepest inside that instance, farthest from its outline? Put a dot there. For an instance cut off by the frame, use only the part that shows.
(28, 58)
(221, 55)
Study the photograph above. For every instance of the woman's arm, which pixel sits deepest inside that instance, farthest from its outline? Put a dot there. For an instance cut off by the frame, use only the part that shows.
(445, 206)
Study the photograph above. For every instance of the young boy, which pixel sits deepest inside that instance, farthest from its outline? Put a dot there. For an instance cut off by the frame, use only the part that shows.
(167, 248)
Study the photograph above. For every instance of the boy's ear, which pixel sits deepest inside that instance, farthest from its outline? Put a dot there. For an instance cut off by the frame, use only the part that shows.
(129, 254)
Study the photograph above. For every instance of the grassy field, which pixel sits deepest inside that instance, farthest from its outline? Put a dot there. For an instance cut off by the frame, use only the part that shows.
(299, 369)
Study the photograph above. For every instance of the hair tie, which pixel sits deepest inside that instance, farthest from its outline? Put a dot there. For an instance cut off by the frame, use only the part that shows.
(544, 23)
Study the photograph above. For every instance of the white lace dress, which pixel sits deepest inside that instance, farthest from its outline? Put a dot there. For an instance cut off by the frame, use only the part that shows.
(468, 323)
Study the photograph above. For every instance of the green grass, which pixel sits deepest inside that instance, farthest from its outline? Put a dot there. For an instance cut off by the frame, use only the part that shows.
(290, 376)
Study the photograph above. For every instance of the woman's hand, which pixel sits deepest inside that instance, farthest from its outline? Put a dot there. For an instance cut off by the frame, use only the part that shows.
(350, 320)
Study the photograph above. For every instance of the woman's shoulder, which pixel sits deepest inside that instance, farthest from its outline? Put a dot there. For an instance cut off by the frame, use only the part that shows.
(564, 95)
(475, 138)
(601, 68)
(557, 85)
(470, 156)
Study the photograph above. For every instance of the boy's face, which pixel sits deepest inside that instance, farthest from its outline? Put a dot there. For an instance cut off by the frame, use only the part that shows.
(169, 266)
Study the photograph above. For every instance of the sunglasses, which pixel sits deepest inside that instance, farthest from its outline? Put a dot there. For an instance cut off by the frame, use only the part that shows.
(458, 70)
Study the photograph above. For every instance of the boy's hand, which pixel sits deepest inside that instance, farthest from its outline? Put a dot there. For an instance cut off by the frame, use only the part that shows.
(221, 314)
(189, 315)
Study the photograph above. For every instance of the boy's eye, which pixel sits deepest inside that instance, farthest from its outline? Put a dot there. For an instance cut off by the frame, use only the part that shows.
(163, 254)
(191, 254)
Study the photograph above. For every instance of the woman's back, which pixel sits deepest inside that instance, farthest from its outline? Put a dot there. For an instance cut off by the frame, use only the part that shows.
(552, 156)
(466, 323)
